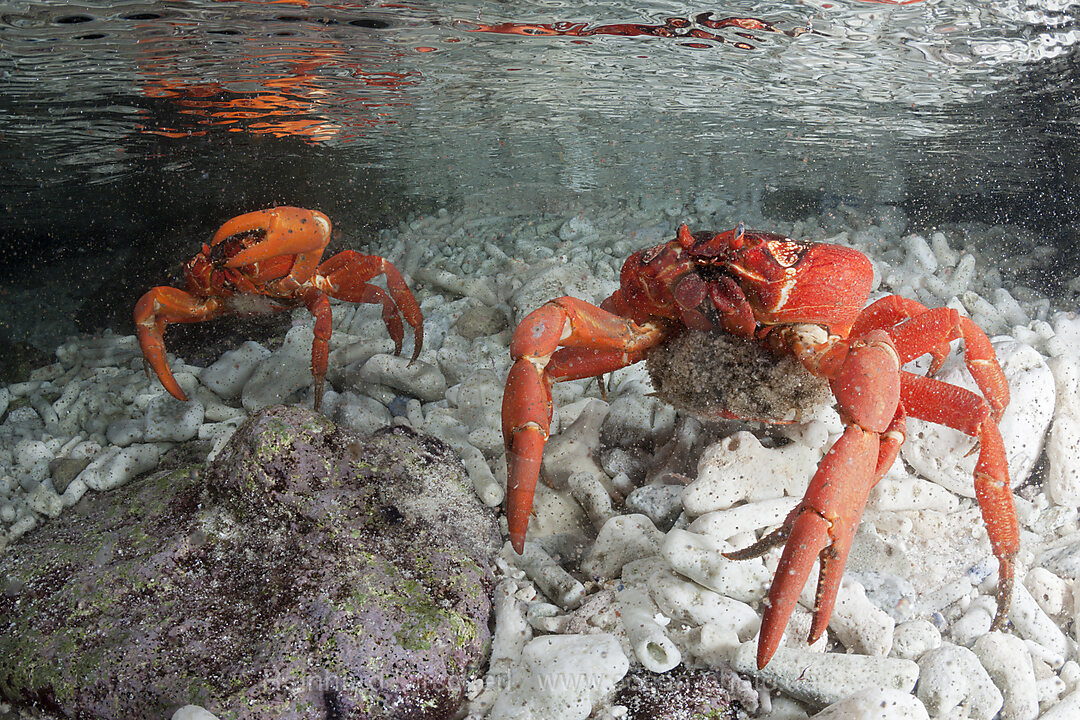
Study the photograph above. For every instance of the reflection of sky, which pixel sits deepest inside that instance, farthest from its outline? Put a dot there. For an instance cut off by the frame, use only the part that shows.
(461, 84)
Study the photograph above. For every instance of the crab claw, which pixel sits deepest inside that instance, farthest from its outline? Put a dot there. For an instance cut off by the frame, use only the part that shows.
(289, 231)
(822, 525)
(155, 310)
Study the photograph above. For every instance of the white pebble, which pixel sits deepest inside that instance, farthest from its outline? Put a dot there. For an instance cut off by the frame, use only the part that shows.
(283, 372)
(858, 624)
(1063, 442)
(418, 379)
(700, 558)
(227, 376)
(127, 431)
(962, 276)
(1068, 708)
(951, 675)
(562, 588)
(912, 639)
(592, 496)
(748, 517)
(739, 468)
(116, 466)
(876, 704)
(1031, 623)
(577, 447)
(1006, 659)
(944, 254)
(622, 539)
(653, 648)
(1048, 590)
(562, 677)
(899, 494)
(193, 712)
(172, 420)
(43, 500)
(693, 604)
(824, 678)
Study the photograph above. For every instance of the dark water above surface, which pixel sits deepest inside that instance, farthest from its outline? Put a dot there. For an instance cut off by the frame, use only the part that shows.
(129, 131)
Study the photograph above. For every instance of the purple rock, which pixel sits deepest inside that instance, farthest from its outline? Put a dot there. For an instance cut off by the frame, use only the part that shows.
(308, 572)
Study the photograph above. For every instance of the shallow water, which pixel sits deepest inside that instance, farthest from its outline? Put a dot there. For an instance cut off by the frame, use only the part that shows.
(130, 131)
(118, 114)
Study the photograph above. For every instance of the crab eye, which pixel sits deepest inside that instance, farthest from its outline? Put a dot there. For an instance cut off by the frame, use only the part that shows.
(647, 256)
(737, 236)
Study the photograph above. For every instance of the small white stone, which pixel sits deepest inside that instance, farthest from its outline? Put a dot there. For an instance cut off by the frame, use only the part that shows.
(193, 712)
(622, 539)
(562, 677)
(824, 678)
(561, 587)
(116, 466)
(858, 624)
(739, 468)
(283, 372)
(172, 420)
(45, 501)
(693, 604)
(1063, 442)
(748, 517)
(653, 648)
(899, 494)
(361, 413)
(127, 431)
(1031, 623)
(227, 377)
(975, 622)
(577, 447)
(701, 559)
(1048, 590)
(1006, 659)
(73, 492)
(876, 704)
(417, 379)
(1068, 708)
(951, 675)
(914, 638)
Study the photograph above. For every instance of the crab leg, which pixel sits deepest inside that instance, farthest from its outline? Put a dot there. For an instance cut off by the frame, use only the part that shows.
(157, 308)
(345, 277)
(289, 231)
(593, 341)
(963, 410)
(916, 330)
(821, 527)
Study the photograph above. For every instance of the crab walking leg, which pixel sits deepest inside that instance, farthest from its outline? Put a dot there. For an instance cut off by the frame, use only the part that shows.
(916, 330)
(319, 306)
(155, 310)
(891, 310)
(345, 277)
(289, 231)
(595, 341)
(963, 410)
(917, 334)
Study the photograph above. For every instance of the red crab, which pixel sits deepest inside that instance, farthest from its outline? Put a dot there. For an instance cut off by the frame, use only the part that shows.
(802, 299)
(266, 261)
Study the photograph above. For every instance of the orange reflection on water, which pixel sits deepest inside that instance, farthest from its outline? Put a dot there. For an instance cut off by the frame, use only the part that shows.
(673, 27)
(315, 93)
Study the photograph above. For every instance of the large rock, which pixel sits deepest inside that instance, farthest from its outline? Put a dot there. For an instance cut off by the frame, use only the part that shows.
(309, 572)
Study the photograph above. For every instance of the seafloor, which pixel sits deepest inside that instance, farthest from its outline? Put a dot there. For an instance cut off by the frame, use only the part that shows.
(627, 543)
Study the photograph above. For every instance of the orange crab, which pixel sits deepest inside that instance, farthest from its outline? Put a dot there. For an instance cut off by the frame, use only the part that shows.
(805, 300)
(266, 261)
